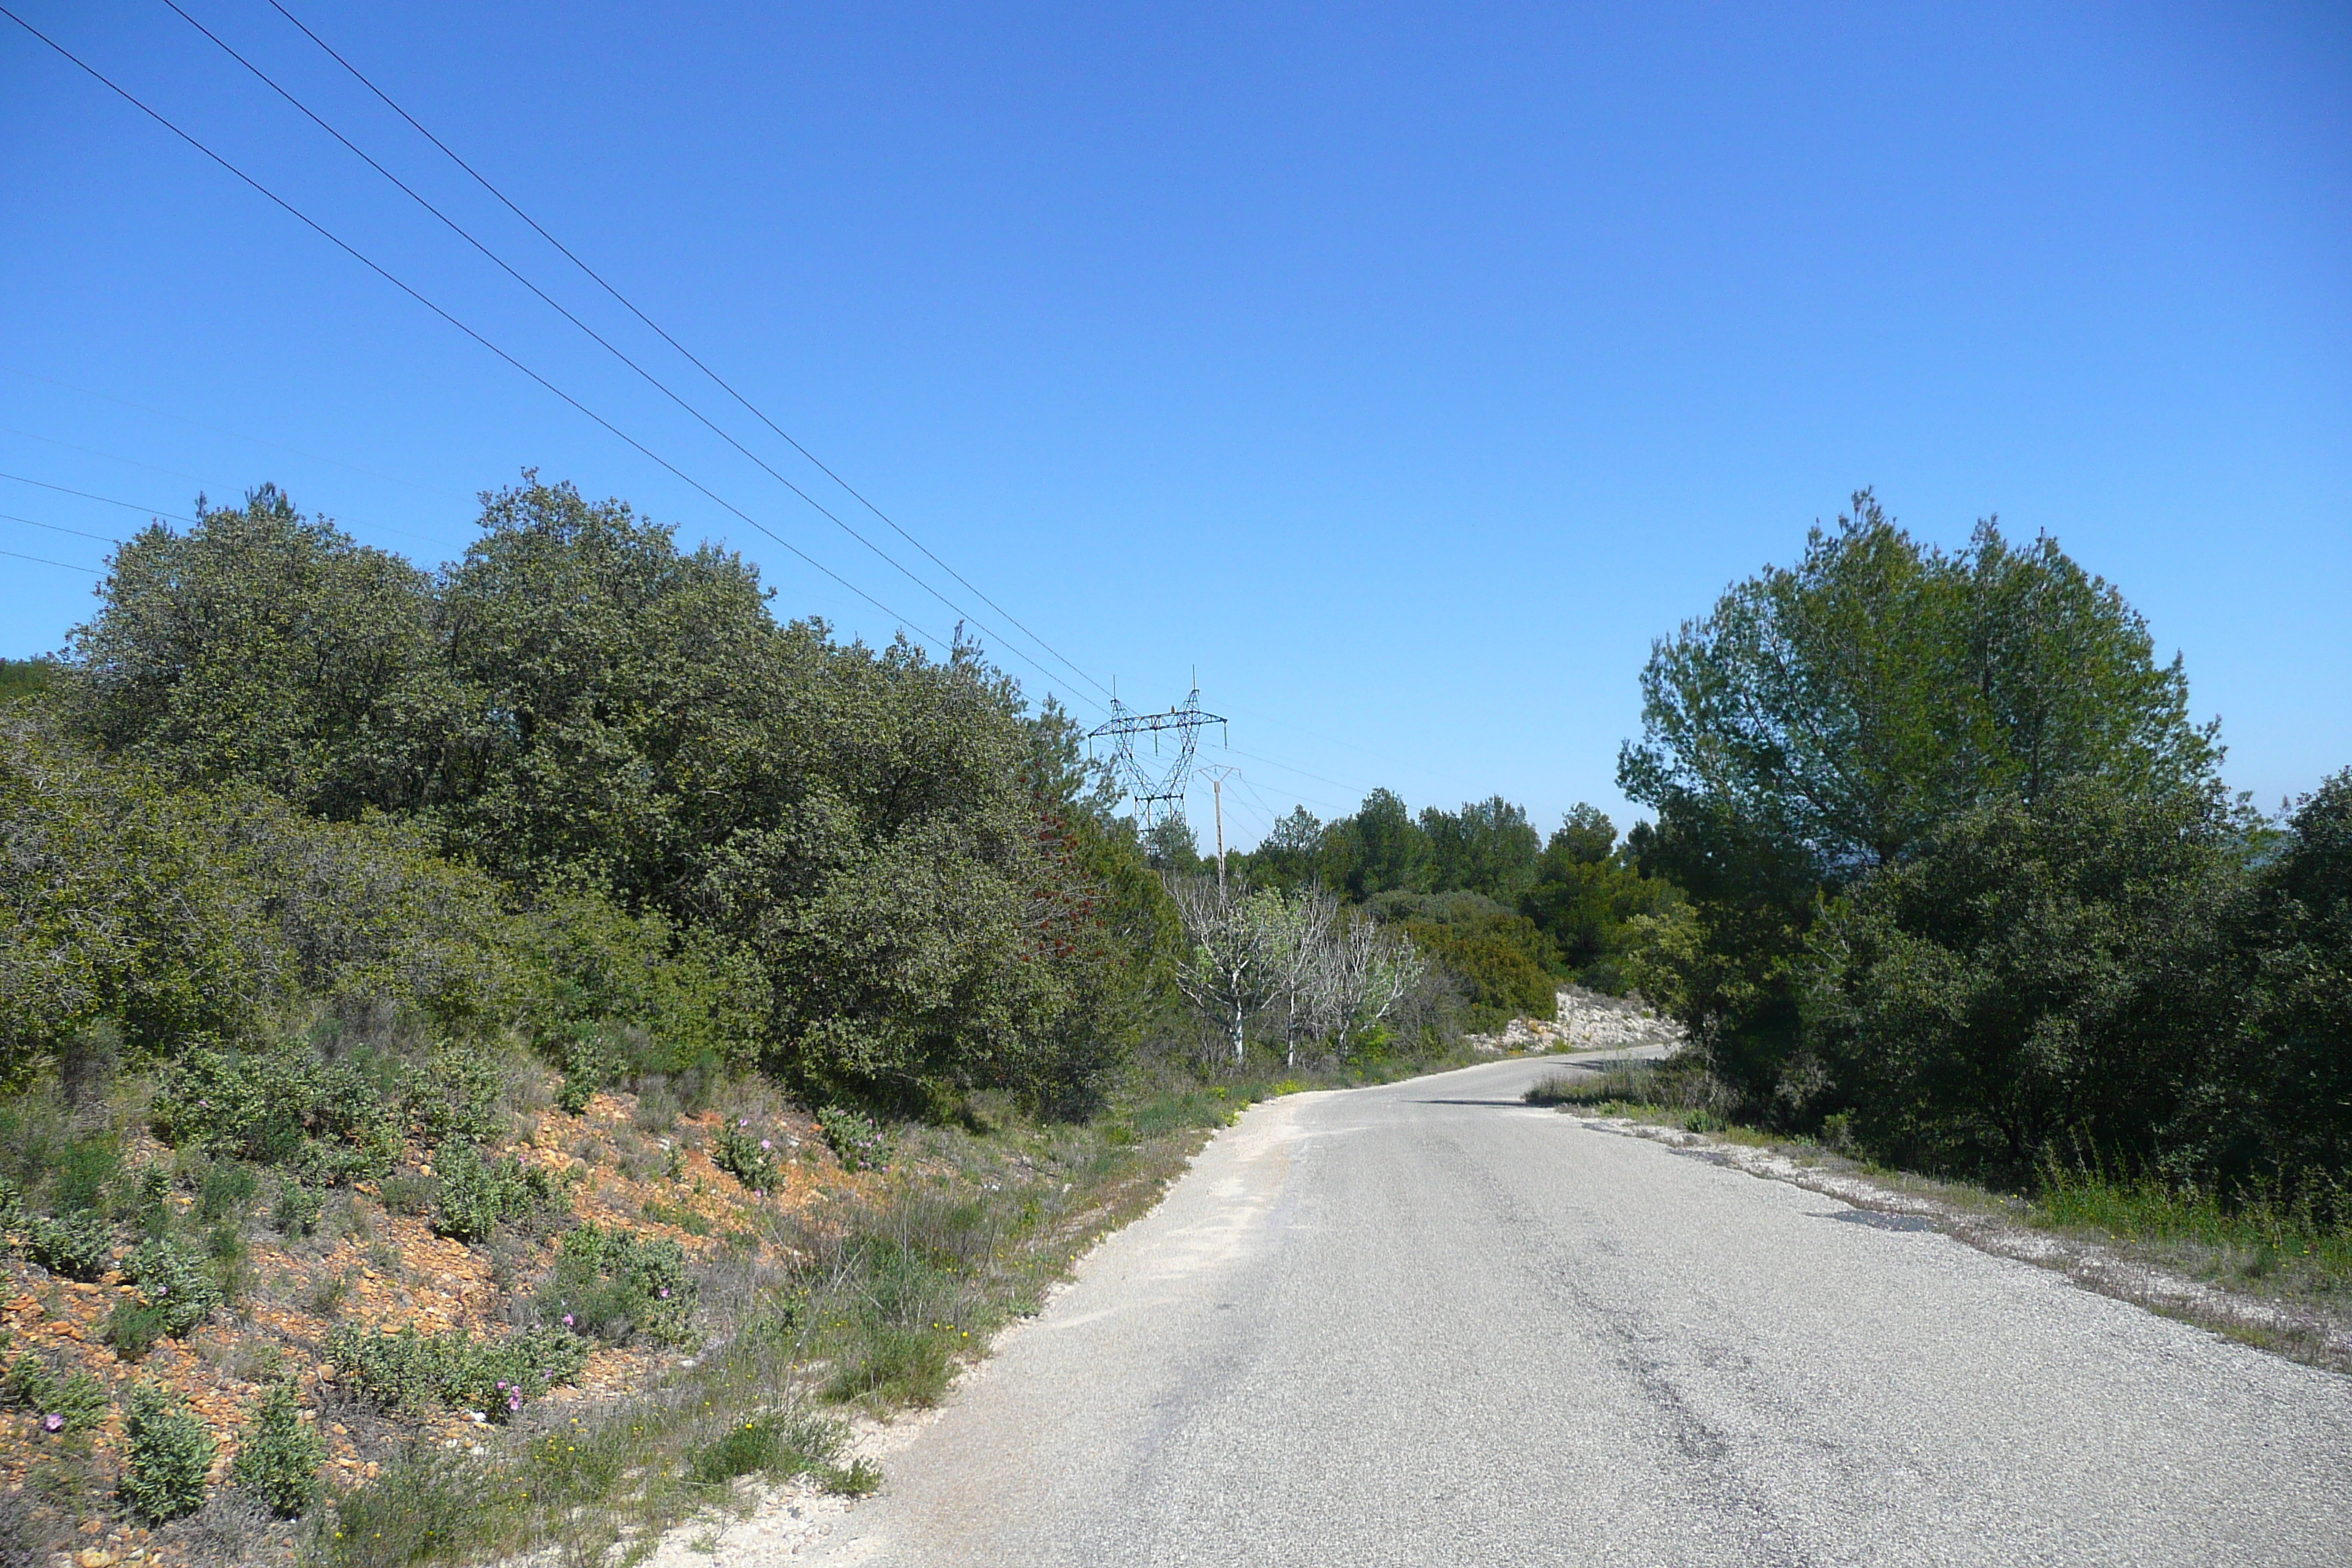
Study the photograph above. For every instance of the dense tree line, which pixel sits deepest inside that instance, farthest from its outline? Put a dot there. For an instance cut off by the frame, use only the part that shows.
(580, 778)
(1507, 913)
(1964, 885)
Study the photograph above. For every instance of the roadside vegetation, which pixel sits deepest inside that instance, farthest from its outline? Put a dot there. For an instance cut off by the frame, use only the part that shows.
(496, 1057)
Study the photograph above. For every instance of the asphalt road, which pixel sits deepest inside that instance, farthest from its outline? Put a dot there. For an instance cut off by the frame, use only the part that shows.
(1425, 1324)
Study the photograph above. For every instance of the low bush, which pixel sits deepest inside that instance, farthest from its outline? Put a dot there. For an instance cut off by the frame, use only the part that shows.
(77, 1248)
(416, 1371)
(78, 1401)
(478, 1194)
(166, 1454)
(614, 1286)
(280, 1105)
(750, 1160)
(855, 1139)
(174, 1282)
(278, 1455)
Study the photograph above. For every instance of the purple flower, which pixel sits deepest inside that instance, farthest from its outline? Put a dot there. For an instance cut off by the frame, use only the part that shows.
(514, 1400)
(665, 1292)
(53, 1423)
(567, 1320)
(742, 1121)
(502, 1383)
(163, 1290)
(765, 1144)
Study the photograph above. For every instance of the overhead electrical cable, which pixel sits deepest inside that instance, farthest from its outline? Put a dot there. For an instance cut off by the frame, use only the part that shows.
(55, 528)
(110, 501)
(605, 343)
(233, 434)
(656, 327)
(41, 560)
(348, 250)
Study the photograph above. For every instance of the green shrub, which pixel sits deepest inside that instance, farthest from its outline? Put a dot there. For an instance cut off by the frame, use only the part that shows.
(476, 1195)
(278, 1455)
(750, 1160)
(76, 1248)
(174, 1282)
(413, 1370)
(79, 1400)
(454, 1095)
(612, 1286)
(298, 1208)
(166, 1453)
(133, 1327)
(281, 1105)
(855, 1139)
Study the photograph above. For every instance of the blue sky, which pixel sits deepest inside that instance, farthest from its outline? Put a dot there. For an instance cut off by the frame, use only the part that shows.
(1403, 370)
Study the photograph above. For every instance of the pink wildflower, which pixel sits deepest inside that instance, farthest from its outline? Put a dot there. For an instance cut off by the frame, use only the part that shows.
(53, 1423)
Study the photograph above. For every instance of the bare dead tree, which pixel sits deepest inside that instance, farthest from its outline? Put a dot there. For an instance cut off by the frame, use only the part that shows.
(1227, 972)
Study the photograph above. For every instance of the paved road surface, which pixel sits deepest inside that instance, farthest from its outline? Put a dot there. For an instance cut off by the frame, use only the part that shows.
(1425, 1324)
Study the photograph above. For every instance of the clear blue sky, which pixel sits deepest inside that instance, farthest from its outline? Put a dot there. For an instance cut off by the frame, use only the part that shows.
(1405, 372)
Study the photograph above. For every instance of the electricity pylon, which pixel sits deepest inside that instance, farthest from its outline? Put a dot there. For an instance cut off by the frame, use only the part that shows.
(1154, 792)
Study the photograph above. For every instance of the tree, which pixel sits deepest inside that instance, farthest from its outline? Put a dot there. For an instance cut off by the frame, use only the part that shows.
(1228, 971)
(1363, 972)
(2035, 975)
(1826, 722)
(268, 647)
(1488, 847)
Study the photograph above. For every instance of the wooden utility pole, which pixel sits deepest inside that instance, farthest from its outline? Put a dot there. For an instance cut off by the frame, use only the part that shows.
(1217, 777)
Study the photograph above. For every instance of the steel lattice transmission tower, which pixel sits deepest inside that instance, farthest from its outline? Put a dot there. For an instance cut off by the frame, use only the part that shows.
(1154, 790)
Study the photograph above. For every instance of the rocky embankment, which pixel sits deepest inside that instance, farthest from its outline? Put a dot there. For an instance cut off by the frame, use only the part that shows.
(1586, 1021)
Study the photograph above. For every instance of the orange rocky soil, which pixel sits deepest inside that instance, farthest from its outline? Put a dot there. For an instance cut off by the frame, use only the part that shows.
(387, 1270)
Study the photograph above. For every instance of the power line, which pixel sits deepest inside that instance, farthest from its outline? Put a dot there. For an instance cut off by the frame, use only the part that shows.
(348, 250)
(110, 501)
(53, 528)
(598, 338)
(232, 435)
(41, 561)
(688, 354)
(137, 463)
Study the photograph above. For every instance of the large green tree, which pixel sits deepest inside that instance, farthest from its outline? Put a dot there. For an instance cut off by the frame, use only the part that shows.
(266, 646)
(1826, 719)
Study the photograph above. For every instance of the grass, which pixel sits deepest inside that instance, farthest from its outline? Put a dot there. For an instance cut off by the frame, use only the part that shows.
(2289, 1251)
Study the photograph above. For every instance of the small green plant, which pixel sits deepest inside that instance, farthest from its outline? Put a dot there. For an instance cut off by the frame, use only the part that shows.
(278, 1455)
(584, 1075)
(175, 1281)
(776, 1447)
(477, 1194)
(298, 1208)
(77, 1403)
(415, 1371)
(856, 1141)
(859, 1478)
(750, 1160)
(326, 1293)
(685, 1218)
(229, 1185)
(166, 1454)
(406, 1193)
(77, 1248)
(614, 1286)
(133, 1327)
